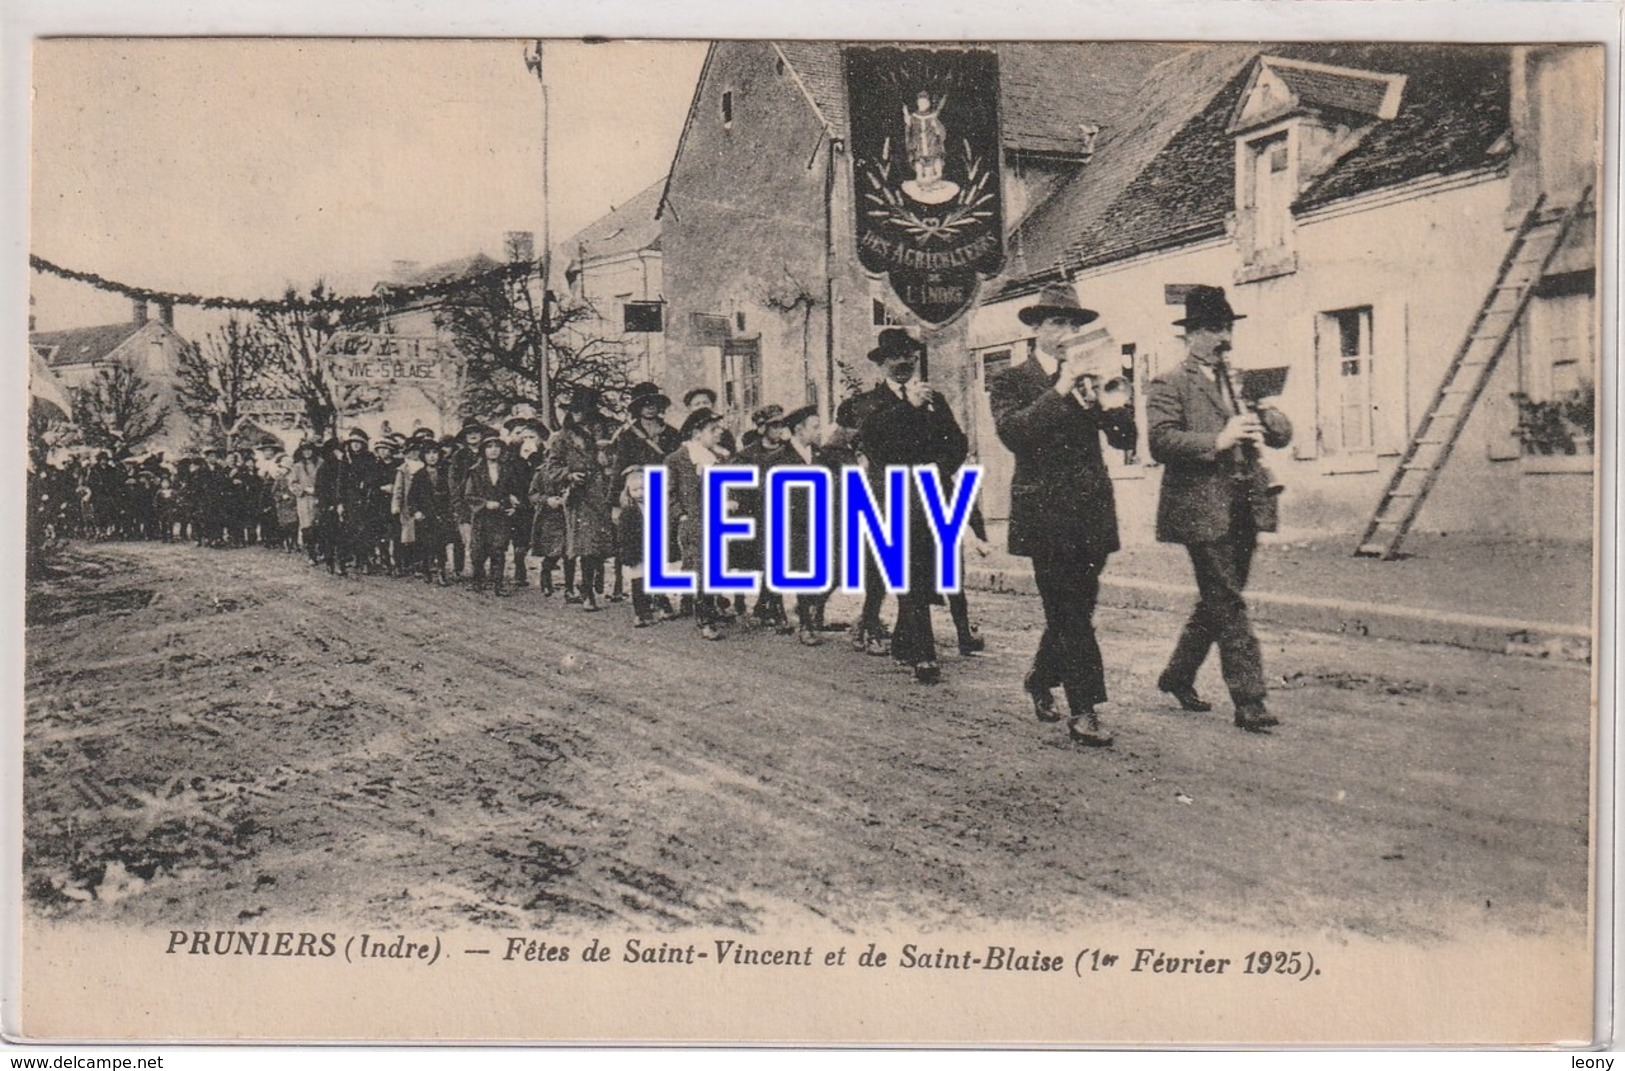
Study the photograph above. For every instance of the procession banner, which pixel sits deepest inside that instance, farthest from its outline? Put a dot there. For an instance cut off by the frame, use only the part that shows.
(926, 172)
(383, 358)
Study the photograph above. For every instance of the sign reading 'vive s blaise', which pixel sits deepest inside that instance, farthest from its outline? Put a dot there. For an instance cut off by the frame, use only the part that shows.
(925, 166)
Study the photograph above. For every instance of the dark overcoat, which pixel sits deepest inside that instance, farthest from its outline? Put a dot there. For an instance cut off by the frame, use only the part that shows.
(428, 492)
(899, 433)
(587, 529)
(632, 446)
(479, 488)
(1185, 413)
(1061, 498)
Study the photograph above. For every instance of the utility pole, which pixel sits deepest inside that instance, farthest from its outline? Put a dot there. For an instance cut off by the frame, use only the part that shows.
(544, 399)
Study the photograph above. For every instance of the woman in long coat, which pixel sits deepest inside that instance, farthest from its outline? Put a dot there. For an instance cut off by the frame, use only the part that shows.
(573, 474)
(302, 482)
(285, 506)
(547, 530)
(330, 487)
(428, 508)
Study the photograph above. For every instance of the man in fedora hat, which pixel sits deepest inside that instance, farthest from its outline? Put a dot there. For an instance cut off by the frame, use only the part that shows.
(1063, 514)
(914, 428)
(1208, 443)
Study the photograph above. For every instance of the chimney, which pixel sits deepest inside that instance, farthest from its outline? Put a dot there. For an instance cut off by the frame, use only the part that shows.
(166, 312)
(521, 246)
(138, 310)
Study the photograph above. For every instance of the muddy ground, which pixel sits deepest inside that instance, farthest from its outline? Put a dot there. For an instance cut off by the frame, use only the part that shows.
(233, 736)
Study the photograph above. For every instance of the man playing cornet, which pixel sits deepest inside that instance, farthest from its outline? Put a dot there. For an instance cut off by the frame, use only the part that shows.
(1051, 412)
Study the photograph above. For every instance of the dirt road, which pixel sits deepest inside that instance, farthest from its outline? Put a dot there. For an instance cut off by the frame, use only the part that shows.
(238, 736)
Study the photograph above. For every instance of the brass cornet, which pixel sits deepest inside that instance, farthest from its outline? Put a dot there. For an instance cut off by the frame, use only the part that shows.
(1108, 373)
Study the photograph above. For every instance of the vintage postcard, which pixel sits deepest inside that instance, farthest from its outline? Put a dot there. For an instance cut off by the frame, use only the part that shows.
(814, 541)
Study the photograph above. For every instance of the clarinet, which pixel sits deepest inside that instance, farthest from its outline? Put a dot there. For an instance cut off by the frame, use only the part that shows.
(1243, 453)
(1248, 469)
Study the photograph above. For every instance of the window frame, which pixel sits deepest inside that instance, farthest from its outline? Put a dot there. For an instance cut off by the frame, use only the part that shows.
(1333, 407)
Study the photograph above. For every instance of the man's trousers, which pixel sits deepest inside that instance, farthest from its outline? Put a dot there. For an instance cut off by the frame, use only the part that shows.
(1068, 654)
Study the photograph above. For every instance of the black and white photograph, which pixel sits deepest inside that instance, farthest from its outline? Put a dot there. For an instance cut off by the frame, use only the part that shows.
(378, 390)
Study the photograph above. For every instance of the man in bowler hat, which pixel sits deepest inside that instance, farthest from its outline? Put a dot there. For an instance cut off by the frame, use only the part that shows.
(900, 349)
(1063, 514)
(914, 428)
(1215, 499)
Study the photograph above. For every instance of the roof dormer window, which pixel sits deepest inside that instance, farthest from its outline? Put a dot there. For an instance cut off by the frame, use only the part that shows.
(1281, 87)
(1292, 123)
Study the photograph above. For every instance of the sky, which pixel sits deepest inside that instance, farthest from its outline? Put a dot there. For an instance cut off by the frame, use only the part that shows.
(237, 166)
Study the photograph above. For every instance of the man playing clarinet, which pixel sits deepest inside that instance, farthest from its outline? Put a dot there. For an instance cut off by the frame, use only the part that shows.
(1216, 498)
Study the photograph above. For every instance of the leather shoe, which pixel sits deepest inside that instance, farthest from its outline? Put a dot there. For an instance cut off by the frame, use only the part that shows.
(1043, 701)
(1188, 699)
(927, 672)
(971, 644)
(1254, 718)
(1086, 730)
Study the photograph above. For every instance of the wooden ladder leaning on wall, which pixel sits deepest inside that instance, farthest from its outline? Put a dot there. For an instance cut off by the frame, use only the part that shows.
(1538, 238)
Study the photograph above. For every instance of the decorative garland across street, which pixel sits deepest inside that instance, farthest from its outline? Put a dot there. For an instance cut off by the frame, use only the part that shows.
(388, 295)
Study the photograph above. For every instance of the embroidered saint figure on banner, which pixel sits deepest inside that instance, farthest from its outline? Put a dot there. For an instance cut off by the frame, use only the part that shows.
(927, 140)
(928, 196)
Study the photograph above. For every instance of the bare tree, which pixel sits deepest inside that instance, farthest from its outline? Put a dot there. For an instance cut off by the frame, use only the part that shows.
(46, 431)
(500, 325)
(118, 411)
(295, 354)
(213, 380)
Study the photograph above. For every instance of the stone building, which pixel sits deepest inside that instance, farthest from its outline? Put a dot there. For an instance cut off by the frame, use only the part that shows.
(146, 343)
(614, 265)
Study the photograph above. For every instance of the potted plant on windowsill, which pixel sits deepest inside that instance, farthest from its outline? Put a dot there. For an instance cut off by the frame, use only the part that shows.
(1564, 425)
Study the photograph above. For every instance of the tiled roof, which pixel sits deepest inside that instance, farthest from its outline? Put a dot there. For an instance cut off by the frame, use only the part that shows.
(1455, 108)
(1457, 105)
(1332, 90)
(1168, 95)
(82, 345)
(1049, 91)
(627, 229)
